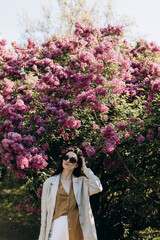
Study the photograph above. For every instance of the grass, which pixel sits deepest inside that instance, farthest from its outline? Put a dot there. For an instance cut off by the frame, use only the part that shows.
(15, 225)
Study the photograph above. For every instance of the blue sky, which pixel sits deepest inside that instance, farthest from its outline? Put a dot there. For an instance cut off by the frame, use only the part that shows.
(145, 13)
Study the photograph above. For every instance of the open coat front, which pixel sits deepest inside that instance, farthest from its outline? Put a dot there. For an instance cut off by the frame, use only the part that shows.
(83, 187)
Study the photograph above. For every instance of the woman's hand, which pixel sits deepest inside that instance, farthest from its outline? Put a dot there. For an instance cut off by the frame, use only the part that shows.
(83, 163)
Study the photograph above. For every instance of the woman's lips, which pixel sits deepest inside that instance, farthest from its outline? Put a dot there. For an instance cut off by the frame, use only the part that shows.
(67, 164)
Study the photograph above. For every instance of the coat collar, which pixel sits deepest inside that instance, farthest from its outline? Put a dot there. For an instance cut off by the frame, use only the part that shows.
(55, 179)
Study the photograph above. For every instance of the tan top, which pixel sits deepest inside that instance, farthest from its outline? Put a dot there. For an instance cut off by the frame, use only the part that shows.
(66, 205)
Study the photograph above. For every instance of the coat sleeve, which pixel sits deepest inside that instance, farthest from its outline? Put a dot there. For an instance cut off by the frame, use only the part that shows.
(43, 211)
(94, 184)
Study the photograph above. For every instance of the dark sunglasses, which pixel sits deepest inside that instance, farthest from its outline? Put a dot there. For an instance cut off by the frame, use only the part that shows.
(72, 159)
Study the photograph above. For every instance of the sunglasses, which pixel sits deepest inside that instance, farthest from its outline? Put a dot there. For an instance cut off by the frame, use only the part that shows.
(71, 160)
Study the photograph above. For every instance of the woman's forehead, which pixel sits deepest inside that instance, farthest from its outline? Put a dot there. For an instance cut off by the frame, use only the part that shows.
(71, 154)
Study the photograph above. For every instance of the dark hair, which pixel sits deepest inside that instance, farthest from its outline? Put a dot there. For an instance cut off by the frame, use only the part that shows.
(76, 171)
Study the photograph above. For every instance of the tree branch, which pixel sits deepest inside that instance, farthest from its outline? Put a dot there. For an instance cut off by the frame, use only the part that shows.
(142, 183)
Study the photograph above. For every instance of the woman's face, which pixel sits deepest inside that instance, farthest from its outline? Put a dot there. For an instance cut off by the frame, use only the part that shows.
(66, 164)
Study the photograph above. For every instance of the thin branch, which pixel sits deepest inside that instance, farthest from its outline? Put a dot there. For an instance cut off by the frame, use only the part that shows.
(142, 183)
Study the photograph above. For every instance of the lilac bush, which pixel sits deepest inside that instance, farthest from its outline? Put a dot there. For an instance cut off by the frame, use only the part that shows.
(91, 91)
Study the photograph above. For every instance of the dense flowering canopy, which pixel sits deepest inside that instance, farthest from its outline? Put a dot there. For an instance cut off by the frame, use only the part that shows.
(90, 91)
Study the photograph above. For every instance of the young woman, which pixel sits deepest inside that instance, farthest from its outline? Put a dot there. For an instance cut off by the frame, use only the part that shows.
(65, 207)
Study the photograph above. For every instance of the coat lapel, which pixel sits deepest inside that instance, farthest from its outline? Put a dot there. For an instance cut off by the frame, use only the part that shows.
(54, 186)
(53, 192)
(75, 187)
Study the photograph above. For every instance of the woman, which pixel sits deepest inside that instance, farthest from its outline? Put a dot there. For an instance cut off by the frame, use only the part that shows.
(65, 207)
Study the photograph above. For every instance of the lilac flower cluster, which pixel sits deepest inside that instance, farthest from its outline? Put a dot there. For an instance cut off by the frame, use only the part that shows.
(112, 137)
(66, 90)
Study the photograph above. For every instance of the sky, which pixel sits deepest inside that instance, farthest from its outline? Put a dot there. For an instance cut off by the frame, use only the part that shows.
(144, 13)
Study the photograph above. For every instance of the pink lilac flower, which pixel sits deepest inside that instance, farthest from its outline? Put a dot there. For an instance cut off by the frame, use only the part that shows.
(28, 140)
(66, 137)
(150, 137)
(39, 162)
(90, 151)
(122, 125)
(41, 130)
(45, 146)
(20, 106)
(150, 132)
(22, 162)
(84, 144)
(34, 150)
(118, 85)
(109, 147)
(39, 192)
(1, 100)
(20, 207)
(9, 156)
(150, 97)
(133, 119)
(155, 85)
(8, 90)
(115, 138)
(140, 139)
(127, 135)
(103, 108)
(61, 131)
(141, 122)
(17, 147)
(6, 143)
(3, 42)
(71, 122)
(15, 136)
(108, 131)
(105, 116)
(78, 124)
(95, 127)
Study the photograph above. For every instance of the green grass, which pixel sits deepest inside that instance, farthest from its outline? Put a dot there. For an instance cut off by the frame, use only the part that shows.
(15, 225)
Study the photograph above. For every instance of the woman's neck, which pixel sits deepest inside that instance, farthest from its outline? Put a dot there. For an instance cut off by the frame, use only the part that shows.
(66, 174)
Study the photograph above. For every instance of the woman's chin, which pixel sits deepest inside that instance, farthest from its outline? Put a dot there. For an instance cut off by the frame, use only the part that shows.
(65, 166)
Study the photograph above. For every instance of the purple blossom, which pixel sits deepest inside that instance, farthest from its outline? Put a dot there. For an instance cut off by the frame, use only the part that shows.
(41, 130)
(109, 147)
(39, 192)
(133, 119)
(39, 162)
(140, 139)
(122, 125)
(149, 137)
(95, 127)
(155, 85)
(127, 135)
(84, 144)
(108, 131)
(141, 122)
(90, 151)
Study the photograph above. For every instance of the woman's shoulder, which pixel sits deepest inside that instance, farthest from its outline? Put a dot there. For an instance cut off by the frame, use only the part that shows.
(50, 179)
(82, 178)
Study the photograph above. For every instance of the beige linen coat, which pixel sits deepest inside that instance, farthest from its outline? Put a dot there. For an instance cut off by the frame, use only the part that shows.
(83, 187)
